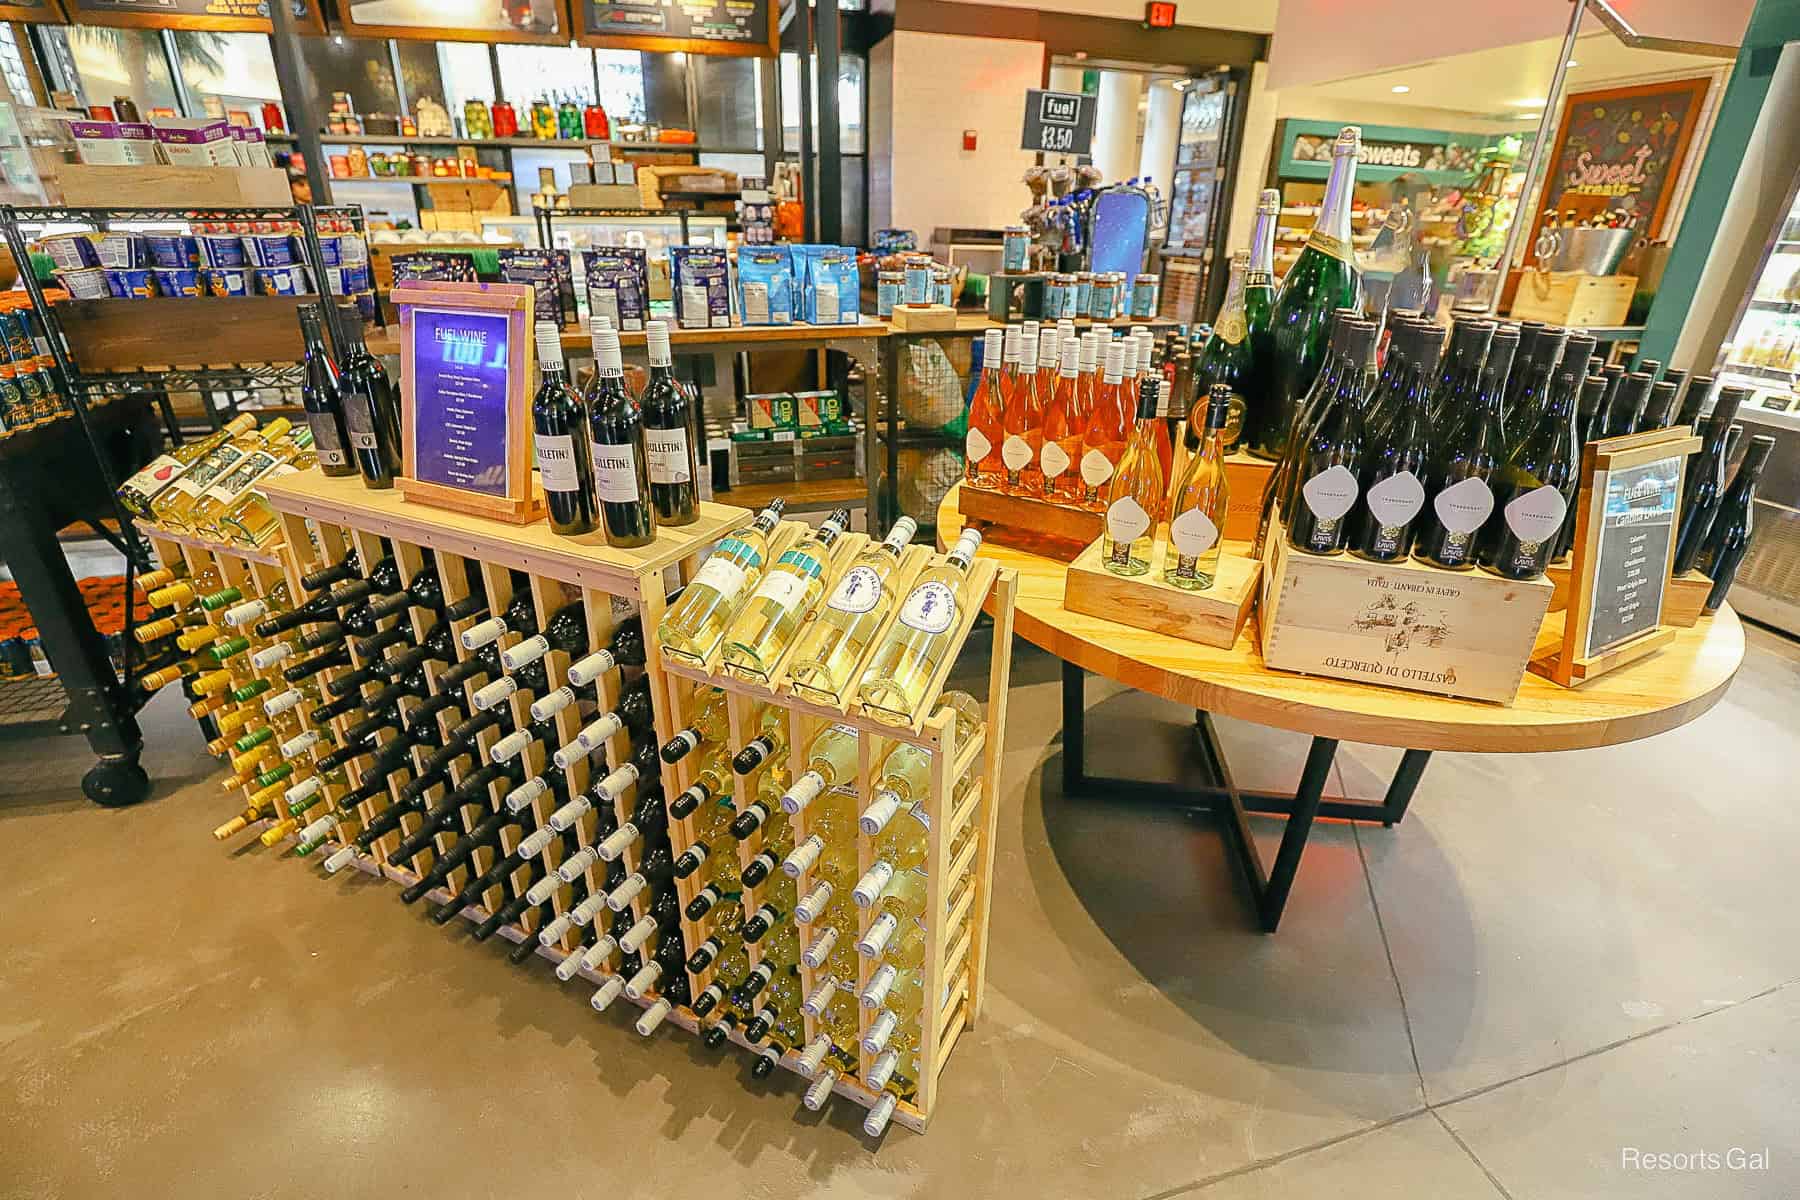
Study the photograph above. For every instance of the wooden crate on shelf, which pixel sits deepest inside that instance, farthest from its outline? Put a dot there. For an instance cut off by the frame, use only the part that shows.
(1573, 298)
(1213, 617)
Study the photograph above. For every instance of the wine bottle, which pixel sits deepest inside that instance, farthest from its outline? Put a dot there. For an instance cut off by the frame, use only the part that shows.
(1229, 356)
(695, 624)
(981, 446)
(626, 649)
(1601, 419)
(1659, 412)
(1459, 372)
(1729, 538)
(1533, 379)
(842, 630)
(1461, 493)
(893, 686)
(1023, 423)
(1578, 350)
(320, 397)
(566, 630)
(1398, 460)
(173, 503)
(668, 439)
(621, 475)
(1134, 498)
(1533, 492)
(1531, 334)
(1502, 354)
(1693, 400)
(1061, 442)
(371, 412)
(1330, 463)
(559, 422)
(1202, 498)
(1279, 488)
(1704, 485)
(520, 617)
(1108, 427)
(1323, 279)
(139, 493)
(1628, 404)
(765, 625)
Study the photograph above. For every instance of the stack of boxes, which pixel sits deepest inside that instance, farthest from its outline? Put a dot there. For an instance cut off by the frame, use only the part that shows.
(793, 436)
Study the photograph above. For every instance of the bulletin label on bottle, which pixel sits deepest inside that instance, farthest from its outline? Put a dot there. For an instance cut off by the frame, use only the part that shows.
(1193, 533)
(857, 592)
(1096, 468)
(1396, 500)
(667, 450)
(327, 445)
(1463, 507)
(1536, 515)
(556, 462)
(1331, 493)
(615, 473)
(1126, 520)
(931, 608)
(976, 446)
(721, 574)
(1054, 460)
(1015, 453)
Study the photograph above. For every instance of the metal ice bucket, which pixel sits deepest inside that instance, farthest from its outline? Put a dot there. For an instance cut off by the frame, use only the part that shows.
(1590, 251)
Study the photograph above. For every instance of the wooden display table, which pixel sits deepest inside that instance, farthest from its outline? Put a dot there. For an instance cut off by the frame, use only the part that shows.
(1678, 684)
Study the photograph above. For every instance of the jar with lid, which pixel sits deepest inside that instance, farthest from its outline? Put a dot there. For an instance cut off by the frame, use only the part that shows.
(477, 123)
(1015, 249)
(890, 286)
(506, 120)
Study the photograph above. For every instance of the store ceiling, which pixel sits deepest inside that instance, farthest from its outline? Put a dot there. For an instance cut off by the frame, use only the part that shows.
(1247, 16)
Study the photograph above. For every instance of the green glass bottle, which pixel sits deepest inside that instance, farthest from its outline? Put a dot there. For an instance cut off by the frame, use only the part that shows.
(1240, 333)
(1534, 490)
(1323, 279)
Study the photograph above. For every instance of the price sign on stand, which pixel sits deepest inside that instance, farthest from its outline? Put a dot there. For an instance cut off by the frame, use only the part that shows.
(1058, 122)
(466, 357)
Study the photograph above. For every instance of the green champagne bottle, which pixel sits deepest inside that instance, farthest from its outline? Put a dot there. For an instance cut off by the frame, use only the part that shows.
(1240, 333)
(1323, 279)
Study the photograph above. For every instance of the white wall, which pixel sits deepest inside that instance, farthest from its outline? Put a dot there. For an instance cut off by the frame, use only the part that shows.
(942, 84)
(1251, 16)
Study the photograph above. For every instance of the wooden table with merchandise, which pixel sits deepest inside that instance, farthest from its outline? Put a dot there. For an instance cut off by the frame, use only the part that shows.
(1660, 693)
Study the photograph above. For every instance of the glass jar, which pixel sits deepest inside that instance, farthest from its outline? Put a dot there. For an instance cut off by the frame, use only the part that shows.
(889, 287)
(1143, 297)
(477, 123)
(1015, 249)
(916, 291)
(506, 121)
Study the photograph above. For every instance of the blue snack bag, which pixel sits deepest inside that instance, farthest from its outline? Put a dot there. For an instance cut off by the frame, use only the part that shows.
(765, 285)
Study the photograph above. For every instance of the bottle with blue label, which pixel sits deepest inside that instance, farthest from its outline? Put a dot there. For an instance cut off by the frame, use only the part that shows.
(768, 624)
(695, 624)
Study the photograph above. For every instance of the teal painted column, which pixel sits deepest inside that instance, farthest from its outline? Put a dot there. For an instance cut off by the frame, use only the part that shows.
(1773, 24)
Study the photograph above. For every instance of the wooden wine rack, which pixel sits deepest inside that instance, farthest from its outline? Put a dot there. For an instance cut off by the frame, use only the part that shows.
(322, 519)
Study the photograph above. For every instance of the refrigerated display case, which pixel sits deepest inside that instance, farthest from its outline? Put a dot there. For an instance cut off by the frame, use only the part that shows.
(1205, 163)
(1762, 352)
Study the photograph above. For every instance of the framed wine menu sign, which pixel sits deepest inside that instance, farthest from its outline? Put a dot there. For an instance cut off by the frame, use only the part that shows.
(223, 16)
(541, 22)
(1622, 150)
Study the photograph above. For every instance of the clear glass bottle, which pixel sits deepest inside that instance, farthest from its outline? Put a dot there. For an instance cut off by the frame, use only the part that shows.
(766, 625)
(893, 686)
(981, 446)
(835, 642)
(695, 625)
(1202, 499)
(1134, 499)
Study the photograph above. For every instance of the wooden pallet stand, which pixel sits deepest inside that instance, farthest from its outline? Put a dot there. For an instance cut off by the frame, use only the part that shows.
(1406, 625)
(1684, 599)
(1057, 530)
(1214, 616)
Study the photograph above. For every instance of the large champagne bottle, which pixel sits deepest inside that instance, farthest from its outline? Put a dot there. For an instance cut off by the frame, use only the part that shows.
(1323, 279)
(1232, 353)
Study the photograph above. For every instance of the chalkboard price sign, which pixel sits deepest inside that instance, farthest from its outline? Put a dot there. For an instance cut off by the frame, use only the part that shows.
(1058, 122)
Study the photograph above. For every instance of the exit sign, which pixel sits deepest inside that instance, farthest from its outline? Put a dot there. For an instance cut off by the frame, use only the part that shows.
(1159, 14)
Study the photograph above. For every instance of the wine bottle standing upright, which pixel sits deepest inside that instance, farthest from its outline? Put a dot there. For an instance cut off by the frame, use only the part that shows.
(1062, 430)
(1501, 355)
(621, 476)
(1705, 479)
(1628, 403)
(1534, 491)
(1693, 400)
(1280, 483)
(1108, 426)
(559, 423)
(371, 412)
(1134, 500)
(1323, 279)
(1459, 372)
(1398, 461)
(1532, 380)
(668, 436)
(1331, 459)
(1024, 424)
(1202, 499)
(1729, 537)
(981, 448)
(320, 397)
(1229, 357)
(1461, 494)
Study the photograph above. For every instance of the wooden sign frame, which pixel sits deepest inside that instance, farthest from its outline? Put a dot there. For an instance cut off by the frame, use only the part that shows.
(49, 12)
(514, 303)
(313, 23)
(436, 33)
(769, 47)
(1574, 661)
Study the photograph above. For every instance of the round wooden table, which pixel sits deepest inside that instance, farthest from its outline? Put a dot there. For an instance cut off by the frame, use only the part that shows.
(1666, 690)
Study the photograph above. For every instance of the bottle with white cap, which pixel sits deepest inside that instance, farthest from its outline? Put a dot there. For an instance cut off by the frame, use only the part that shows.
(559, 426)
(895, 1076)
(893, 687)
(843, 626)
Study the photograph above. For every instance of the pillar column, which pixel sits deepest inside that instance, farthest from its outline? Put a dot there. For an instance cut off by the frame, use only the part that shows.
(1116, 125)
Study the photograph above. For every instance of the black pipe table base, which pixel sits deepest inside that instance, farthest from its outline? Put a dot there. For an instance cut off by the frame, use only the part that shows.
(1231, 805)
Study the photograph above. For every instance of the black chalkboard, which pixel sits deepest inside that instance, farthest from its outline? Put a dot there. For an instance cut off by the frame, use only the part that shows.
(705, 26)
(1637, 523)
(1058, 122)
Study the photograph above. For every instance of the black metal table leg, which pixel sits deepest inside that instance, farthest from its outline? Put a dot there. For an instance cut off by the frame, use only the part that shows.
(1074, 729)
(1405, 782)
(1274, 893)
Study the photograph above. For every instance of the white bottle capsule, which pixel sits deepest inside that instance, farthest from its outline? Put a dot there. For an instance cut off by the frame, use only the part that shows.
(639, 985)
(495, 693)
(545, 707)
(609, 991)
(819, 1092)
(340, 860)
(802, 857)
(510, 746)
(543, 889)
(552, 932)
(482, 632)
(306, 789)
(875, 941)
(618, 841)
(876, 1040)
(654, 1016)
(280, 702)
(877, 1121)
(576, 863)
(620, 898)
(881, 810)
(586, 670)
(811, 906)
(535, 843)
(871, 886)
(520, 798)
(813, 1057)
(819, 999)
(525, 653)
(880, 984)
(806, 789)
(816, 954)
(634, 938)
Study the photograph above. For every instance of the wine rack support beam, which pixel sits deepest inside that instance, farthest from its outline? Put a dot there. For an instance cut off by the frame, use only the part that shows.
(1232, 806)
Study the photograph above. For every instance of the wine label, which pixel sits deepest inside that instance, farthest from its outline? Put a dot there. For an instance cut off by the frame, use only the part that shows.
(615, 472)
(1536, 515)
(1096, 468)
(359, 420)
(1331, 493)
(1193, 533)
(156, 476)
(1464, 506)
(931, 608)
(1232, 329)
(238, 480)
(1054, 460)
(782, 588)
(556, 462)
(976, 446)
(1015, 453)
(1396, 500)
(1126, 520)
(857, 592)
(667, 450)
(327, 444)
(209, 469)
(721, 574)
(1336, 247)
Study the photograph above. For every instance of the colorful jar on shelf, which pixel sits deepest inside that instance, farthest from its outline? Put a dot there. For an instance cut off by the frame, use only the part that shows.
(941, 278)
(917, 289)
(1015, 249)
(1084, 294)
(1103, 299)
(1059, 297)
(477, 122)
(506, 121)
(889, 287)
(543, 120)
(593, 120)
(1143, 296)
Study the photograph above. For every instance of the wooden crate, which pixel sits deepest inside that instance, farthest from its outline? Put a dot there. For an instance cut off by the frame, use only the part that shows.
(96, 185)
(1573, 298)
(1057, 530)
(1406, 625)
(1213, 617)
(1684, 599)
(925, 318)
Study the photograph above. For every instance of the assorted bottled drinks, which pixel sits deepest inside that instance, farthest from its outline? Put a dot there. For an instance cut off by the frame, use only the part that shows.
(211, 488)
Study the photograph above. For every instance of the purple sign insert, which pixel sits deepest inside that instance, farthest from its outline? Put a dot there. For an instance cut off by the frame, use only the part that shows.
(460, 362)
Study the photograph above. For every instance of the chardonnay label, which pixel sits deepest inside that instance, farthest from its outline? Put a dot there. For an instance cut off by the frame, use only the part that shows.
(1193, 534)
(857, 592)
(721, 574)
(615, 472)
(238, 480)
(1054, 460)
(154, 477)
(556, 462)
(976, 446)
(1536, 516)
(667, 450)
(782, 588)
(1463, 507)
(1232, 329)
(1396, 500)
(1096, 468)
(209, 469)
(931, 608)
(1015, 453)
(1331, 493)
(1126, 520)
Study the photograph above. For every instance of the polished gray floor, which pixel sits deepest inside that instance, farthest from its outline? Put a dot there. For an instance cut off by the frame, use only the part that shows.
(1559, 968)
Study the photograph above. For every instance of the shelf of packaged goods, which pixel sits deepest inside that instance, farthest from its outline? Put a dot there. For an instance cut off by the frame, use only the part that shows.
(745, 337)
(519, 143)
(1782, 375)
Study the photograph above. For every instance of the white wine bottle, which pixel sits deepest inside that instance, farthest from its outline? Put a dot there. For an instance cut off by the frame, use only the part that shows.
(839, 635)
(693, 628)
(893, 687)
(1201, 500)
(830, 761)
(766, 625)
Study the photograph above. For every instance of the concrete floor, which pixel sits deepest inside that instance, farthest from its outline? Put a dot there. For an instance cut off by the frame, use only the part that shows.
(1554, 962)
